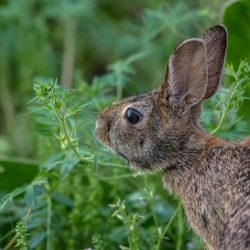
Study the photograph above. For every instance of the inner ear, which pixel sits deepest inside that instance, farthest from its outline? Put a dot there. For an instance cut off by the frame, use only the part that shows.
(186, 77)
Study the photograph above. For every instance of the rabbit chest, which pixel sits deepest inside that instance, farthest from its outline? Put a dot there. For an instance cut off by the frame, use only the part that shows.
(204, 192)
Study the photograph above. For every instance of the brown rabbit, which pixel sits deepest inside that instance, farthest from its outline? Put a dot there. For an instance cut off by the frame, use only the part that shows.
(161, 130)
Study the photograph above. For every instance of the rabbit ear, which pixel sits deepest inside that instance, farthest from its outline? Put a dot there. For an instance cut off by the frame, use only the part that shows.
(215, 39)
(186, 77)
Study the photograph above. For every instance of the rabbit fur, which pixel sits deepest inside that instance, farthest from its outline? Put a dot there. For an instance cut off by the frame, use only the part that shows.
(211, 176)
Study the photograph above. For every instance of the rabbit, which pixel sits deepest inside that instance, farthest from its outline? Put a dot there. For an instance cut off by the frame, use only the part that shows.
(161, 130)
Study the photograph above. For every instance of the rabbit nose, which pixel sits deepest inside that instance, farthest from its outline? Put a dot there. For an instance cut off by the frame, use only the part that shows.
(101, 130)
(98, 127)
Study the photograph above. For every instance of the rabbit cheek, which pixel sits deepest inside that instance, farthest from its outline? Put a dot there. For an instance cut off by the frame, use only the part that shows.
(127, 145)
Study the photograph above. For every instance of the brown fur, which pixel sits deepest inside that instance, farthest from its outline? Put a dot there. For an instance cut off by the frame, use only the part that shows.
(209, 174)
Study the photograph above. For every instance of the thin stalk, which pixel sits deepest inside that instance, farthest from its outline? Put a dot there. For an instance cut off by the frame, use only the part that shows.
(63, 126)
(180, 230)
(168, 226)
(7, 235)
(117, 177)
(68, 139)
(6, 101)
(68, 52)
(225, 113)
(150, 201)
(48, 222)
(124, 215)
(130, 232)
(13, 240)
(109, 164)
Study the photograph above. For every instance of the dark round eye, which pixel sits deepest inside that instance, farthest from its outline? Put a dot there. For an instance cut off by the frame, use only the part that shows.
(133, 116)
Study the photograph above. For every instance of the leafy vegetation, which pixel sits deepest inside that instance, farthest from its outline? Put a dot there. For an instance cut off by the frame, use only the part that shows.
(59, 188)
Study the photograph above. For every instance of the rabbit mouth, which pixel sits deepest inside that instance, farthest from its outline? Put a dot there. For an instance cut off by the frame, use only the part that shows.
(136, 165)
(124, 157)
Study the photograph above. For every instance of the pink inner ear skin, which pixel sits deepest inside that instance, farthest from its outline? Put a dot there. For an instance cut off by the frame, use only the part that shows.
(186, 77)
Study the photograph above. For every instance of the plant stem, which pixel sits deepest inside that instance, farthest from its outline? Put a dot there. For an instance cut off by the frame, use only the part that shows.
(117, 177)
(6, 101)
(48, 223)
(68, 139)
(180, 230)
(26, 219)
(225, 113)
(68, 52)
(168, 226)
(63, 127)
(7, 235)
(126, 222)
(150, 201)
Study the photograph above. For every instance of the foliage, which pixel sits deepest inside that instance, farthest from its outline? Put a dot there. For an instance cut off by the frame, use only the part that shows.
(54, 39)
(60, 189)
(21, 236)
(222, 111)
(236, 17)
(70, 181)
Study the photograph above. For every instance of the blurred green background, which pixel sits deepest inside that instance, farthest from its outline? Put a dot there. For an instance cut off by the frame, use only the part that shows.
(106, 50)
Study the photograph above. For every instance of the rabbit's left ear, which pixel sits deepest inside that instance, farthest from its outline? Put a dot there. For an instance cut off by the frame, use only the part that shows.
(215, 39)
(186, 77)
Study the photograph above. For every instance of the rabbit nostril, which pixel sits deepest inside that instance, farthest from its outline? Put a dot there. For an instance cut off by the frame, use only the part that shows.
(141, 142)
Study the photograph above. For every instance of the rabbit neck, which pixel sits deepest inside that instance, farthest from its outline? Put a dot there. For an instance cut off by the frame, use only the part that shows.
(195, 180)
(190, 155)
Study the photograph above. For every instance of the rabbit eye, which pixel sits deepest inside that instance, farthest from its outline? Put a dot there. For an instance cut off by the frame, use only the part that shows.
(133, 116)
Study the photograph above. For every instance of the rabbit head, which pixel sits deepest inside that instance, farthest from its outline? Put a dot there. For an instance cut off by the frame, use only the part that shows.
(152, 130)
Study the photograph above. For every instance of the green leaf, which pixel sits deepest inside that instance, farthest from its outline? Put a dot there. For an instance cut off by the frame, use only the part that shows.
(237, 19)
(37, 239)
(19, 169)
(29, 196)
(63, 199)
(9, 197)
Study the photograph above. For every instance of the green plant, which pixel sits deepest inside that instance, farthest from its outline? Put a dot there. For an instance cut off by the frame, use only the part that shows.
(222, 111)
(21, 234)
(57, 181)
(130, 222)
(76, 159)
